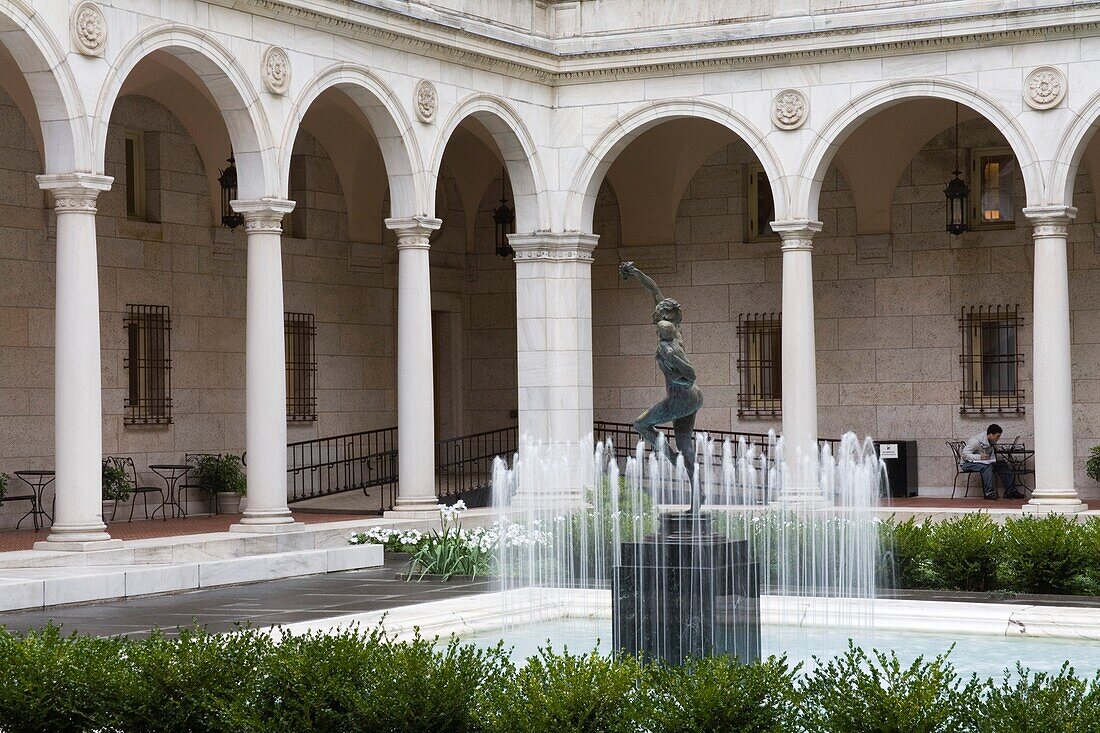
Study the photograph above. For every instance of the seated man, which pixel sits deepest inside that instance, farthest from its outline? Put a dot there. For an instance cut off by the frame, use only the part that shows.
(979, 455)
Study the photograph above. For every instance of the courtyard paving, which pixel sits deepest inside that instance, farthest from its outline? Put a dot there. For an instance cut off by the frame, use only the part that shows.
(258, 604)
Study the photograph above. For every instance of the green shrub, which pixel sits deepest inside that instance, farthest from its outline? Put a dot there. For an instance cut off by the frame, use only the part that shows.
(963, 553)
(57, 684)
(719, 694)
(858, 693)
(355, 681)
(192, 683)
(1043, 555)
(905, 547)
(563, 693)
(1040, 703)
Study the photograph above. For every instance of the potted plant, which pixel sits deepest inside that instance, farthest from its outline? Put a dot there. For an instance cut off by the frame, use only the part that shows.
(3, 486)
(224, 476)
(1092, 466)
(116, 488)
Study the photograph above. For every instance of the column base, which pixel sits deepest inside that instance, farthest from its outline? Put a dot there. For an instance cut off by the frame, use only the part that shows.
(106, 543)
(426, 508)
(1055, 506)
(267, 528)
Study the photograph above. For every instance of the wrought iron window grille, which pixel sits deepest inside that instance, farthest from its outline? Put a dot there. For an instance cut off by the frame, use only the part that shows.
(991, 360)
(148, 365)
(760, 365)
(300, 330)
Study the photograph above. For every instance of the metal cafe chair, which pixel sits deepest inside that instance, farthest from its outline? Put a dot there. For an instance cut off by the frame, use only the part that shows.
(956, 447)
(127, 465)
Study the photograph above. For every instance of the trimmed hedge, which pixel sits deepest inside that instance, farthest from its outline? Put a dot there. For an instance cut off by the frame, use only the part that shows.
(359, 681)
(1052, 554)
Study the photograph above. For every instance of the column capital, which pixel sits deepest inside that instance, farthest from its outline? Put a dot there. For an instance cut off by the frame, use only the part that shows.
(576, 246)
(1050, 220)
(263, 215)
(413, 231)
(74, 191)
(797, 234)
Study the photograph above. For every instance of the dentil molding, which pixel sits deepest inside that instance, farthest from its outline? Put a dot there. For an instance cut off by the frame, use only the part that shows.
(276, 70)
(1045, 87)
(89, 29)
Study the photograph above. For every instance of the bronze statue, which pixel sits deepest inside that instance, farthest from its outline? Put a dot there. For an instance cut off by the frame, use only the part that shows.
(683, 398)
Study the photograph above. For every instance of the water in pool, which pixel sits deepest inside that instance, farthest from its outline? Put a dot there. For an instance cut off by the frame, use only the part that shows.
(985, 655)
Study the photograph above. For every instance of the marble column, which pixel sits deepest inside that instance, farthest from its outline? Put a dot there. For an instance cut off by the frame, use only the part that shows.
(800, 438)
(265, 370)
(554, 359)
(416, 486)
(1052, 377)
(78, 394)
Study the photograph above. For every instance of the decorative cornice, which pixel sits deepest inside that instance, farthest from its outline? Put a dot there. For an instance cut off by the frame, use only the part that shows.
(74, 192)
(527, 61)
(558, 246)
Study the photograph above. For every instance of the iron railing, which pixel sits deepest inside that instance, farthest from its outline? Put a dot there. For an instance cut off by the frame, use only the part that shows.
(465, 464)
(344, 463)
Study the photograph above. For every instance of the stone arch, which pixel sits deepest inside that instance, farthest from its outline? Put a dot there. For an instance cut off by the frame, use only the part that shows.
(516, 146)
(831, 135)
(1069, 151)
(581, 198)
(66, 146)
(388, 123)
(227, 82)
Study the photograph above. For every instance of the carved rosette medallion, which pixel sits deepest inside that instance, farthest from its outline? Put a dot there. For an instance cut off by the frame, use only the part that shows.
(89, 29)
(790, 109)
(276, 70)
(427, 101)
(1044, 87)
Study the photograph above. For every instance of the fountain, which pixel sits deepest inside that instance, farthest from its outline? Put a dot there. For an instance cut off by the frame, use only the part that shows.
(678, 543)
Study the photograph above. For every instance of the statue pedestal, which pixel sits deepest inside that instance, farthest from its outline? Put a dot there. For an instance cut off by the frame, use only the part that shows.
(686, 592)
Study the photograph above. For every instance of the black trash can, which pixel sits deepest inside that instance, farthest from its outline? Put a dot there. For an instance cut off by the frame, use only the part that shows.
(900, 457)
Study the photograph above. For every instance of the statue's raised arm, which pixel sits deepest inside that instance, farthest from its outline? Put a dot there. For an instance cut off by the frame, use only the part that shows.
(627, 270)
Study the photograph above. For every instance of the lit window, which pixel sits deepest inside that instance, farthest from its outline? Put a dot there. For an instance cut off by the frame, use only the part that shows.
(993, 171)
(990, 360)
(148, 365)
(760, 364)
(301, 366)
(135, 174)
(761, 205)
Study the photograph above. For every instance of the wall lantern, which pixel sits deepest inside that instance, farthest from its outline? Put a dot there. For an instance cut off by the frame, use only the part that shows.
(505, 219)
(957, 193)
(228, 181)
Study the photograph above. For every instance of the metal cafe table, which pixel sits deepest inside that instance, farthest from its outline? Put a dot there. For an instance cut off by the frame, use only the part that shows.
(171, 473)
(1017, 458)
(38, 480)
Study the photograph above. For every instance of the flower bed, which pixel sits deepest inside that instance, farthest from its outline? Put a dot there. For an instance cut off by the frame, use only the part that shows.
(361, 681)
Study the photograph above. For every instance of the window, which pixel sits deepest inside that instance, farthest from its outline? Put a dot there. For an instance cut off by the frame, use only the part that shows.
(148, 365)
(760, 364)
(135, 174)
(301, 366)
(990, 360)
(992, 174)
(761, 205)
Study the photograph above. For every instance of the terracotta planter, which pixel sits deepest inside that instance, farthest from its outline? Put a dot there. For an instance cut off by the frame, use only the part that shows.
(229, 502)
(108, 510)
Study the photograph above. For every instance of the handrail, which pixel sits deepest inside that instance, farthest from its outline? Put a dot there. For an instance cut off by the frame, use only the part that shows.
(368, 459)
